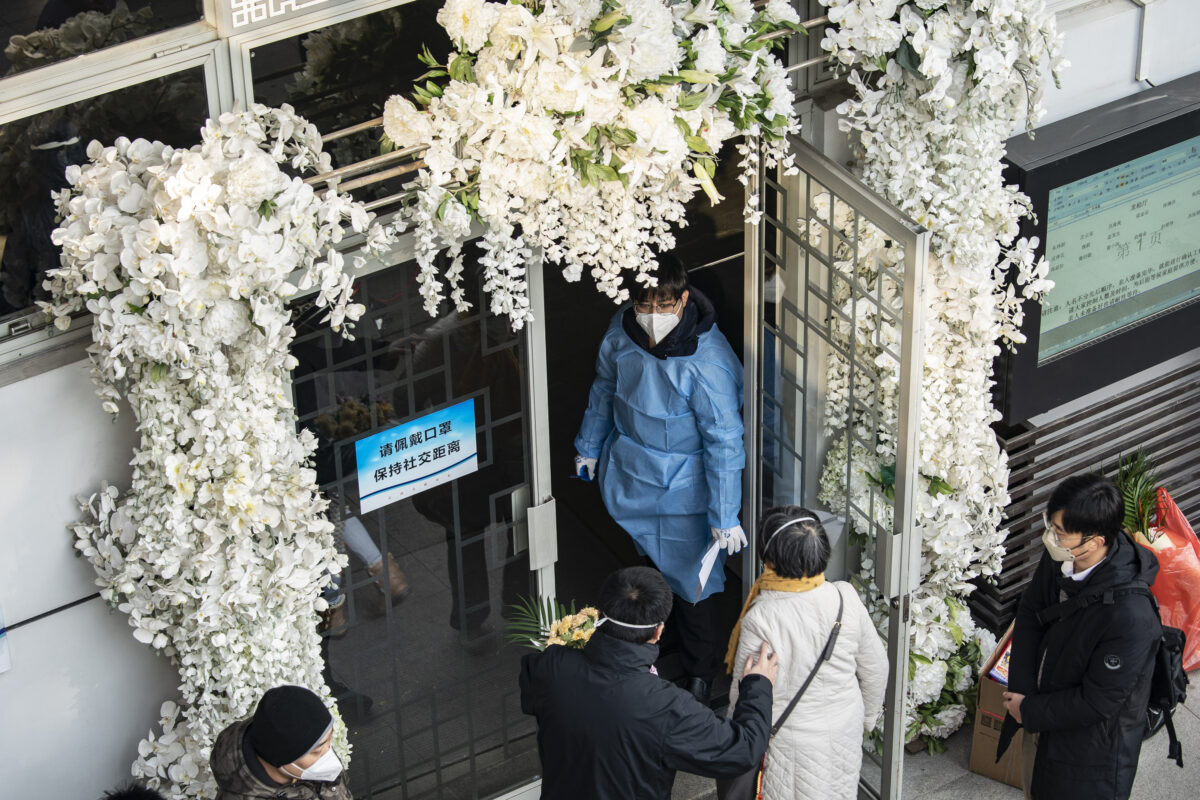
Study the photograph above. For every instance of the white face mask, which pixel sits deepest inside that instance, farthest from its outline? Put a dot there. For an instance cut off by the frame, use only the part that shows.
(1056, 550)
(657, 326)
(326, 768)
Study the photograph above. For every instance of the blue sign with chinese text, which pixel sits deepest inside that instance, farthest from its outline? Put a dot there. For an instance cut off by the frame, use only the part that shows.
(416, 455)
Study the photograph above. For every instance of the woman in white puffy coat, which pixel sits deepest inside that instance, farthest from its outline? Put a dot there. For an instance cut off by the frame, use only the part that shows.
(818, 752)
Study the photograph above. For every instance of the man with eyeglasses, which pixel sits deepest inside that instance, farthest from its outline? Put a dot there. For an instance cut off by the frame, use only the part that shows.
(663, 434)
(1083, 648)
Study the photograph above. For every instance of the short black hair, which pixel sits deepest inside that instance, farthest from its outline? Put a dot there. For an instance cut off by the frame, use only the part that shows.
(794, 541)
(638, 596)
(132, 792)
(1091, 504)
(672, 281)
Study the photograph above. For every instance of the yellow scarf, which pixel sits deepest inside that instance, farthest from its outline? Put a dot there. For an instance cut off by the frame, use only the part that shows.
(770, 582)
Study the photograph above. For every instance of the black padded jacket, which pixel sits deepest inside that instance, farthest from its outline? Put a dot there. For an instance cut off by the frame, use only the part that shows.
(609, 728)
(1086, 676)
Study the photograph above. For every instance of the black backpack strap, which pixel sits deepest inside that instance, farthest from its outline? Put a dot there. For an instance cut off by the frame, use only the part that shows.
(826, 654)
(1107, 595)
(1174, 748)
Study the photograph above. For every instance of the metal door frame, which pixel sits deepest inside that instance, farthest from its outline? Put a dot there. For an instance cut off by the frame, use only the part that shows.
(897, 556)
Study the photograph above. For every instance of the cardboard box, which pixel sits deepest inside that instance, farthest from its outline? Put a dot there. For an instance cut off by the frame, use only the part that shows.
(989, 717)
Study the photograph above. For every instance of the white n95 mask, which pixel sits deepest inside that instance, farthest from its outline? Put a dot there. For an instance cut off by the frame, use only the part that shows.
(326, 768)
(657, 326)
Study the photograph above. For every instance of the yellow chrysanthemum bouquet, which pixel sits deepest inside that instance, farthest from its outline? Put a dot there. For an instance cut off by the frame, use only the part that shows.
(540, 622)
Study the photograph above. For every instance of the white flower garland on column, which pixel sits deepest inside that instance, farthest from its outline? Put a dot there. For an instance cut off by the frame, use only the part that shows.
(582, 127)
(940, 86)
(220, 549)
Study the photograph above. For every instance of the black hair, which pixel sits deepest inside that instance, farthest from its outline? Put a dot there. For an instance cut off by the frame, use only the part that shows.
(132, 792)
(638, 596)
(1091, 504)
(672, 281)
(795, 549)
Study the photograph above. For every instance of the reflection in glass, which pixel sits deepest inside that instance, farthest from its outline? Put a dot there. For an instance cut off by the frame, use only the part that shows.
(341, 75)
(35, 152)
(40, 32)
(414, 651)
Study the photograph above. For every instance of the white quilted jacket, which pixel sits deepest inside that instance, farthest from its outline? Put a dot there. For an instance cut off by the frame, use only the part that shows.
(818, 752)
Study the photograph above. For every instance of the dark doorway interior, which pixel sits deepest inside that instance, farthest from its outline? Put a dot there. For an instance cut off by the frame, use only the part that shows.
(590, 543)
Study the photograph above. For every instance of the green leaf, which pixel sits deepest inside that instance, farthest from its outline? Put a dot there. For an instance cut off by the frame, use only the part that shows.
(462, 69)
(622, 136)
(697, 77)
(908, 59)
(690, 101)
(426, 57)
(913, 660)
(610, 19)
(605, 173)
(938, 486)
(266, 208)
(684, 128)
(697, 144)
(592, 137)
(433, 89)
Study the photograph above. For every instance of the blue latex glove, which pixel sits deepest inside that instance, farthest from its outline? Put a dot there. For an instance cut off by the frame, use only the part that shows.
(585, 468)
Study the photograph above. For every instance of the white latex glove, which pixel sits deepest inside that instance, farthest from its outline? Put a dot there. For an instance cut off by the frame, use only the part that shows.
(732, 539)
(585, 468)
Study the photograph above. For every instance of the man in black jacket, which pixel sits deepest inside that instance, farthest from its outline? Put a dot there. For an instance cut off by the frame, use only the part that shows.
(608, 727)
(1079, 674)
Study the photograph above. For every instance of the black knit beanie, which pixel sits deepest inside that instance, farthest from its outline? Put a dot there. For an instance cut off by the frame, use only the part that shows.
(289, 721)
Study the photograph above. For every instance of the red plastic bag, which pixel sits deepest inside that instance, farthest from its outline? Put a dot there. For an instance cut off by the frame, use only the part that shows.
(1177, 586)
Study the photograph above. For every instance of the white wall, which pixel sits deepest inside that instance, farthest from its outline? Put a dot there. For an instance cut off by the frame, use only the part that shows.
(1103, 40)
(82, 692)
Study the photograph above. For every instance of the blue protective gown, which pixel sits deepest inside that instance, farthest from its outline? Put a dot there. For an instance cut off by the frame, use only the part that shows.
(668, 436)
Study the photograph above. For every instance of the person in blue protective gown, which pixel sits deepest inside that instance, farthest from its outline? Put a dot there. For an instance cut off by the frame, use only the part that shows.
(662, 434)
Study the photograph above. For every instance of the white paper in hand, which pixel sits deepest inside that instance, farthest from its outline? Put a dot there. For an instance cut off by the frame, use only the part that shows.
(706, 567)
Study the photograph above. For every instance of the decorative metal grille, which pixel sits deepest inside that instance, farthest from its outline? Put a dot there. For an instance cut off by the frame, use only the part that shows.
(837, 288)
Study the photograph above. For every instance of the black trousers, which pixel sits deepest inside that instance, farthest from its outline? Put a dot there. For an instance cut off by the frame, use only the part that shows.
(692, 631)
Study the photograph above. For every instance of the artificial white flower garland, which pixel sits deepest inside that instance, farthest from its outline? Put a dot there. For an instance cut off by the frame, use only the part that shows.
(582, 127)
(941, 84)
(220, 548)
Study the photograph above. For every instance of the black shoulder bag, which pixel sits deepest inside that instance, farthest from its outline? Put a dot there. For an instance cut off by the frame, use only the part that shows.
(748, 786)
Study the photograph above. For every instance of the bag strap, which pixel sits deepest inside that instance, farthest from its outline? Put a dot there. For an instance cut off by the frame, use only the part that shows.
(1107, 595)
(826, 654)
(1174, 748)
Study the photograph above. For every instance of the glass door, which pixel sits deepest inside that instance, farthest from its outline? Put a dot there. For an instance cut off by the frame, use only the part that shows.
(414, 647)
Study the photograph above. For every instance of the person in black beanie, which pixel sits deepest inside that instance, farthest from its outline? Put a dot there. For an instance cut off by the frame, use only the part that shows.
(283, 751)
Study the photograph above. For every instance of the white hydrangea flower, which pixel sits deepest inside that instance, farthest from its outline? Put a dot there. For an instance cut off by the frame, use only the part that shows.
(468, 21)
(404, 124)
